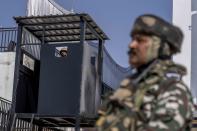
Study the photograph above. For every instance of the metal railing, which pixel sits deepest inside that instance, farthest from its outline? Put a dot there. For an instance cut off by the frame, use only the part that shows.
(20, 125)
(8, 37)
(8, 40)
(4, 111)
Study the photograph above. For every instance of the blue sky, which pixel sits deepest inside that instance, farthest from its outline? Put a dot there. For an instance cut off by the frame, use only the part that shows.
(115, 17)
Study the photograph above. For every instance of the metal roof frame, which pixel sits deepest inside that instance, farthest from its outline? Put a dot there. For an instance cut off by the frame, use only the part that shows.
(60, 28)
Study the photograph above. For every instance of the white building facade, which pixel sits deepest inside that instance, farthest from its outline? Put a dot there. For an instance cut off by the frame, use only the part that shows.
(185, 16)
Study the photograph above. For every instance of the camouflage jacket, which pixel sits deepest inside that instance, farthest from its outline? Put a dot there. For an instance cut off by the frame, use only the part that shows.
(157, 101)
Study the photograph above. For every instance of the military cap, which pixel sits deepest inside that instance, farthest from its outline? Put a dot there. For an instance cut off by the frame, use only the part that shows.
(153, 25)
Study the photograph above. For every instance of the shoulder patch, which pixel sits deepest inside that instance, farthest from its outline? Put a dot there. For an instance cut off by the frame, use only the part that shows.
(173, 75)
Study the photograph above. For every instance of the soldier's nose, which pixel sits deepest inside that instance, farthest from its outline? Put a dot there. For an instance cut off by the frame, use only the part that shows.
(133, 44)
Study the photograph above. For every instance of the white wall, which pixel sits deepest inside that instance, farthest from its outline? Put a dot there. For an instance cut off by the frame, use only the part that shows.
(182, 18)
(7, 63)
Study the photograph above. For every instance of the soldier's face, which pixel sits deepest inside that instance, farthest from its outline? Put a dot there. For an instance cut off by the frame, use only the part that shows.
(139, 48)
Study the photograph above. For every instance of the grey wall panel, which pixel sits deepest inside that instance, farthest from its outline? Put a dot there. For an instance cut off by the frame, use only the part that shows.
(89, 98)
(60, 79)
(193, 56)
(194, 5)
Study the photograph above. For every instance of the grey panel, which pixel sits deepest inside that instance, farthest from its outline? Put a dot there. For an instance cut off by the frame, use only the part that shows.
(60, 79)
(89, 80)
(193, 56)
(194, 5)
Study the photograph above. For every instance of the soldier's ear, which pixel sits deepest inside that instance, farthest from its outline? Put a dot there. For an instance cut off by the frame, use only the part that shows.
(166, 49)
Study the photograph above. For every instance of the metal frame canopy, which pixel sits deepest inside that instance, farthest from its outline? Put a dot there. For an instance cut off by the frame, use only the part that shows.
(59, 28)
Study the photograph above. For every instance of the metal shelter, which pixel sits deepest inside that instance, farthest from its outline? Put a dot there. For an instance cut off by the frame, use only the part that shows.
(49, 30)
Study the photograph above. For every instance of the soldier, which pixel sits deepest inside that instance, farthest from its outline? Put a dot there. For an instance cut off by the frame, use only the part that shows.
(154, 98)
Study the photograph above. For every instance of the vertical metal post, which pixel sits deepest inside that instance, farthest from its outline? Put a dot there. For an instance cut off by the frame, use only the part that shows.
(12, 126)
(42, 40)
(100, 58)
(82, 39)
(100, 66)
(40, 128)
(82, 30)
(43, 34)
(31, 123)
(77, 123)
(16, 77)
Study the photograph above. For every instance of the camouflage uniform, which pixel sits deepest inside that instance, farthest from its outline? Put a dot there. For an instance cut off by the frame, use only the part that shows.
(156, 99)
